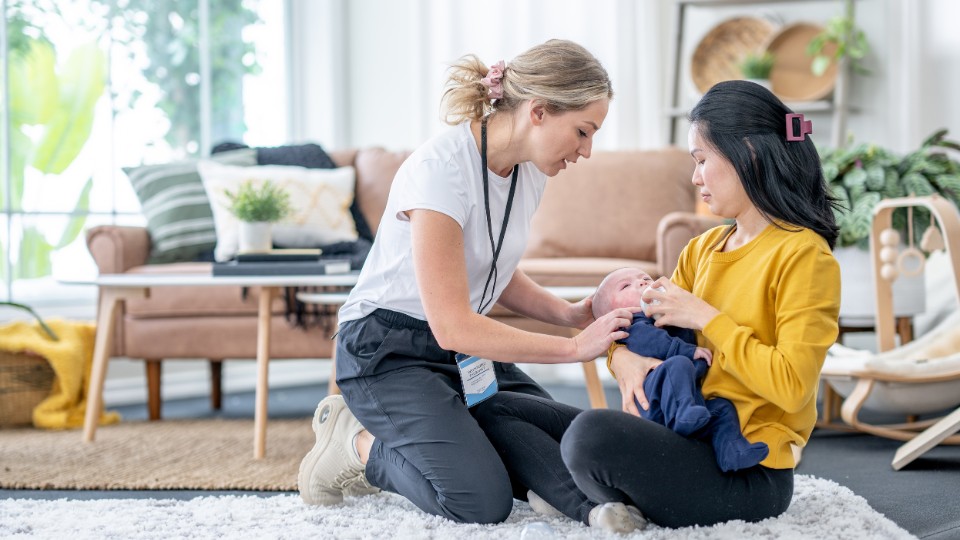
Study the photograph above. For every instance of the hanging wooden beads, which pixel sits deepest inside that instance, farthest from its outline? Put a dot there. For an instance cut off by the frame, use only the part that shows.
(889, 240)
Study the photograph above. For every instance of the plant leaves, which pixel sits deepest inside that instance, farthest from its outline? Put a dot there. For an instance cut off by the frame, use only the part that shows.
(34, 259)
(855, 224)
(819, 65)
(82, 83)
(75, 225)
(917, 185)
(33, 84)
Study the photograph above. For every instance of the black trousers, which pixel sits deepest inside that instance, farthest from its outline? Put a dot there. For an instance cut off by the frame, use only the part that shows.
(674, 481)
(463, 464)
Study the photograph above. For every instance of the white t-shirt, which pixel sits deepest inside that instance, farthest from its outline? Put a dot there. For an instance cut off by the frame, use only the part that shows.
(444, 175)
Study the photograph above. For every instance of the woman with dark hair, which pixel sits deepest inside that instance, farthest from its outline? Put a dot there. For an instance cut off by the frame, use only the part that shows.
(763, 295)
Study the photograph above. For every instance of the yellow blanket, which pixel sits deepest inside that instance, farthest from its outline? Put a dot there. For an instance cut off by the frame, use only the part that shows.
(71, 359)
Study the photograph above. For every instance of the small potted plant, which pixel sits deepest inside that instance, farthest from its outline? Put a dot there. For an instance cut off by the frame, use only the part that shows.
(257, 208)
(756, 67)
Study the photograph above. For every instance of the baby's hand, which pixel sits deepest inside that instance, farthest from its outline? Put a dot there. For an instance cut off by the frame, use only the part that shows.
(703, 354)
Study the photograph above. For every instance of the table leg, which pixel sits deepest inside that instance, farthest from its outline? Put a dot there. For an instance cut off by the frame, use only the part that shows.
(263, 363)
(110, 299)
(598, 400)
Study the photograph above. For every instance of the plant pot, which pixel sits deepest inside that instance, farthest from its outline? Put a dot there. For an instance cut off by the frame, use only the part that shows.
(255, 236)
(762, 82)
(857, 292)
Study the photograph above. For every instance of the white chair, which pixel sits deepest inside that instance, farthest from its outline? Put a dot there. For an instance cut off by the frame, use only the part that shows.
(918, 378)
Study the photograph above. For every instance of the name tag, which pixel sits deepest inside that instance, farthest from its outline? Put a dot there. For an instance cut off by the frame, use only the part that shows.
(478, 378)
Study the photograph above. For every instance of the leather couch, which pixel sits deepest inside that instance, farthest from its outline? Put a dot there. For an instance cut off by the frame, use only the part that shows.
(617, 208)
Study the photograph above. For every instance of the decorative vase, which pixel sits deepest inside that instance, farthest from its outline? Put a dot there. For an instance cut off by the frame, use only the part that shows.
(255, 236)
(858, 302)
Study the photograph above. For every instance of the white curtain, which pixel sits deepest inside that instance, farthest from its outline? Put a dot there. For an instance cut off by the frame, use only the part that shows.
(371, 72)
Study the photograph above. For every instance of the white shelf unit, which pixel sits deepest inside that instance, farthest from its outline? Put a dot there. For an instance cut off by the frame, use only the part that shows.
(678, 109)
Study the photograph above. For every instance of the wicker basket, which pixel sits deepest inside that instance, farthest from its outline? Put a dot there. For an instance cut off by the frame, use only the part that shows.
(718, 56)
(25, 380)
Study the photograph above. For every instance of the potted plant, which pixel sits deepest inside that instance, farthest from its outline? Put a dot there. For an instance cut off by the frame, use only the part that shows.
(842, 42)
(256, 208)
(756, 67)
(863, 175)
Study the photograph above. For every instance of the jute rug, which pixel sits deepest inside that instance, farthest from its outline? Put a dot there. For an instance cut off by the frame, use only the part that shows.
(210, 454)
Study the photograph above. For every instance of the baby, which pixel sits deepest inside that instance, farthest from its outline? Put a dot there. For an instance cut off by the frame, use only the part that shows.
(672, 388)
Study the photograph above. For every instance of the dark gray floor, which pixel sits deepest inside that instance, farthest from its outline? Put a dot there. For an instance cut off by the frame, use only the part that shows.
(924, 498)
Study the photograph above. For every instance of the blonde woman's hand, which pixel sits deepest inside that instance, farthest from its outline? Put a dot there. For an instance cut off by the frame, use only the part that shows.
(632, 370)
(596, 338)
(581, 313)
(676, 306)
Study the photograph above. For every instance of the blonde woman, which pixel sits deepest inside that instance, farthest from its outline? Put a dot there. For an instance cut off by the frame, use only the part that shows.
(413, 334)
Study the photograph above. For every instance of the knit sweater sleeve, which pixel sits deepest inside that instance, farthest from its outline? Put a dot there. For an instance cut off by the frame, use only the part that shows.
(785, 372)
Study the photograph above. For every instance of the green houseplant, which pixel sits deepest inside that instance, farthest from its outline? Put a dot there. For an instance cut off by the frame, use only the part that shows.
(268, 203)
(861, 176)
(840, 40)
(256, 208)
(757, 66)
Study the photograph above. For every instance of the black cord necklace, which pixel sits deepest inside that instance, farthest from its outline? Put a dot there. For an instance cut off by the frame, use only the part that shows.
(494, 247)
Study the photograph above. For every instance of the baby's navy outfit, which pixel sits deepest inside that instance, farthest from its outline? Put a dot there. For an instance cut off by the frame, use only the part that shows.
(672, 390)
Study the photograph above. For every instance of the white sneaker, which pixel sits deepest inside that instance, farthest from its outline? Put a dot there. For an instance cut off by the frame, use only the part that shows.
(540, 506)
(617, 517)
(332, 468)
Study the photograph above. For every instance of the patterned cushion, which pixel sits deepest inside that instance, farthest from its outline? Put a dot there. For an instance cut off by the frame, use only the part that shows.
(320, 202)
(179, 218)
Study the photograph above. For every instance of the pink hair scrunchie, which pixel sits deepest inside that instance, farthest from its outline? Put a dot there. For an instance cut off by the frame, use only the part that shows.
(493, 80)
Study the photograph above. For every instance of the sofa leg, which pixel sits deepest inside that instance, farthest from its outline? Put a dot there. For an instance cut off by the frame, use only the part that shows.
(153, 388)
(216, 384)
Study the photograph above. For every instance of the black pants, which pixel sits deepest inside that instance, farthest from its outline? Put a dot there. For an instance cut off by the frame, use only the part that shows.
(673, 480)
(429, 447)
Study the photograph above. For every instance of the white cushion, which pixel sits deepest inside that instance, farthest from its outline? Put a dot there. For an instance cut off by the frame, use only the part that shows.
(320, 202)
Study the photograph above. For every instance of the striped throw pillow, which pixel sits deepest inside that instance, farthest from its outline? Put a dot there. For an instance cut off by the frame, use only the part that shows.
(172, 198)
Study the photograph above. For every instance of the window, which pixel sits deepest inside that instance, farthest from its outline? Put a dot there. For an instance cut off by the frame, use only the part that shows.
(93, 86)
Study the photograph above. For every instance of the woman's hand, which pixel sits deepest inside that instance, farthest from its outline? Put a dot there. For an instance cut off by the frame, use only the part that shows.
(631, 370)
(581, 313)
(676, 306)
(596, 339)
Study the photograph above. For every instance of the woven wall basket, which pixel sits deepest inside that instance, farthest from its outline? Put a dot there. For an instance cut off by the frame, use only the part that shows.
(718, 56)
(25, 380)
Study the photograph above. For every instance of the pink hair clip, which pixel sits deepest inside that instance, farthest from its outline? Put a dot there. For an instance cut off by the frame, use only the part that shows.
(806, 126)
(494, 80)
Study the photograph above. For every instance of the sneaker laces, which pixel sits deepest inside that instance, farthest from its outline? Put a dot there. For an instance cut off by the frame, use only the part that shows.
(348, 477)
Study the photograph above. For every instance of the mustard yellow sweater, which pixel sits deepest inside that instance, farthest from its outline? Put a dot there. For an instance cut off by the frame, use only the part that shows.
(779, 298)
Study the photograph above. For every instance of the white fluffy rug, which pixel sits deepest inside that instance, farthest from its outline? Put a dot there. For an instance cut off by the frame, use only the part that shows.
(821, 509)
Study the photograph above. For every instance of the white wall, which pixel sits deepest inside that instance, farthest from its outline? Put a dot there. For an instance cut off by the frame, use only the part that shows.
(372, 71)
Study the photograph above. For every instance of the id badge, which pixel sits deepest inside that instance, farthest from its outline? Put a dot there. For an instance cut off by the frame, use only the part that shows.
(478, 378)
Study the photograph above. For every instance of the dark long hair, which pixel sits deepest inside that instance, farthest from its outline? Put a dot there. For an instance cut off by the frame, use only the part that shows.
(746, 123)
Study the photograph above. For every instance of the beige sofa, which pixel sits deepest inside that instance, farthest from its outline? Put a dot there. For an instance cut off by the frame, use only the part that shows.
(616, 209)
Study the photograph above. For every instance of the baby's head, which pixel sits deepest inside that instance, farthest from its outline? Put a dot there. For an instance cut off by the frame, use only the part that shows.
(621, 288)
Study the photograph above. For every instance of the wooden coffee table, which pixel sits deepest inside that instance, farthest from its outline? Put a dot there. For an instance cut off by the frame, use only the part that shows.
(117, 288)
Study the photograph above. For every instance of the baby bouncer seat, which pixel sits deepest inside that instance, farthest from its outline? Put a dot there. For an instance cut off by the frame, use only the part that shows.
(919, 378)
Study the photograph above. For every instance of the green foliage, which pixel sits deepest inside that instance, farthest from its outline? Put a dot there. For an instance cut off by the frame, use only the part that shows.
(49, 331)
(51, 117)
(863, 175)
(757, 66)
(168, 31)
(268, 203)
(842, 35)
